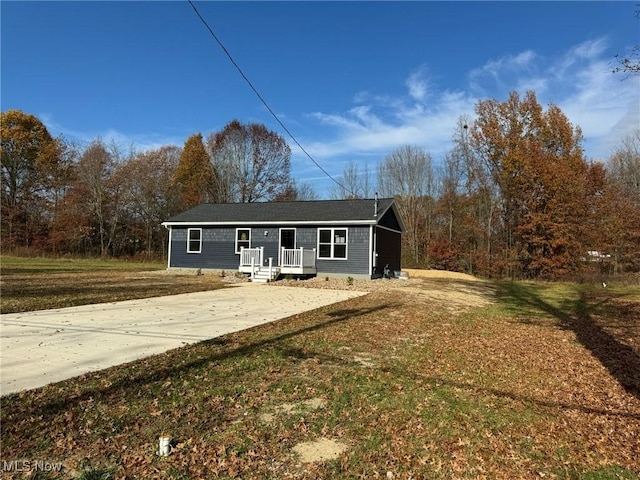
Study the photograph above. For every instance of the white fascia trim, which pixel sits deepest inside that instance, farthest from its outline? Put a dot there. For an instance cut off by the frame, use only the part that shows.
(235, 224)
(390, 229)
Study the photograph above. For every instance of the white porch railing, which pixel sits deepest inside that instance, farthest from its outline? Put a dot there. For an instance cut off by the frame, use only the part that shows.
(251, 257)
(297, 261)
(297, 257)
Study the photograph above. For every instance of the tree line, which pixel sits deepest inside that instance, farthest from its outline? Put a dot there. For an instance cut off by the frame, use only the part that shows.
(514, 197)
(61, 198)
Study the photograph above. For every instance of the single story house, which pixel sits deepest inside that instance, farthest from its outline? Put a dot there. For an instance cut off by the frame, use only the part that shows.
(356, 238)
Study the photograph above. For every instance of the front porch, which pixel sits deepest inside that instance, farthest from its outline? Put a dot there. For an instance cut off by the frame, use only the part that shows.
(291, 261)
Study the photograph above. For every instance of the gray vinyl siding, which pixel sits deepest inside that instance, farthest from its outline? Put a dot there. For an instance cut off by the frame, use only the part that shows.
(218, 245)
(218, 248)
(357, 262)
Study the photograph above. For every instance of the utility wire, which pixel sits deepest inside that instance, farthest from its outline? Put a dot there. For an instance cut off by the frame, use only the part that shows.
(264, 102)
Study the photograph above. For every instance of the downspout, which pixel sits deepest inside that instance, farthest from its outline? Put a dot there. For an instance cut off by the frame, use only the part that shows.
(168, 227)
(373, 238)
(374, 235)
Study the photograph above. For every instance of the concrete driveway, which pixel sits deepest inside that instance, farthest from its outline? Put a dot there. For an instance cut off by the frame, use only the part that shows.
(37, 348)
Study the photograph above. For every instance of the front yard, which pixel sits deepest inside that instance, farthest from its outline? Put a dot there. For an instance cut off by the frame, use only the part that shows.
(435, 378)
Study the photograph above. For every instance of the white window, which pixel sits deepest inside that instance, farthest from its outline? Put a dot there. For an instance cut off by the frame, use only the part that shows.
(332, 243)
(243, 238)
(194, 240)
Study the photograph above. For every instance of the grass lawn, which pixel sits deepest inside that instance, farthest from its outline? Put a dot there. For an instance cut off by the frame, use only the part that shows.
(29, 284)
(543, 382)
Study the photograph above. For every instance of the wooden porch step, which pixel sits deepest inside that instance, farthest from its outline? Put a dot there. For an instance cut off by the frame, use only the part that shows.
(262, 275)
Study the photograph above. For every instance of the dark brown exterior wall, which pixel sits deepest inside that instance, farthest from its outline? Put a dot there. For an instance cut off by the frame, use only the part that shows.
(389, 246)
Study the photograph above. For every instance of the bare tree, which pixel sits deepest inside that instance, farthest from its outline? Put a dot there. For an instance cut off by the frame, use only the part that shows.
(252, 163)
(624, 165)
(95, 174)
(467, 201)
(354, 183)
(407, 174)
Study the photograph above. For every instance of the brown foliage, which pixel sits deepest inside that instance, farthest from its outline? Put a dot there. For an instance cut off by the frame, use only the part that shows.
(536, 161)
(29, 156)
(195, 178)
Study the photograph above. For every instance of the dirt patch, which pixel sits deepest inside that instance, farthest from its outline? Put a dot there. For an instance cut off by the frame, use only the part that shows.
(319, 450)
(420, 273)
(452, 292)
(293, 408)
(364, 361)
(453, 295)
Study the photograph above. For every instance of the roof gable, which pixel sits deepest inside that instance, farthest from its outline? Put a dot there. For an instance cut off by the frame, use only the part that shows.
(317, 211)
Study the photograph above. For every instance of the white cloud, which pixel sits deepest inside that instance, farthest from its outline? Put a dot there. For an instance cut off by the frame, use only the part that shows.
(417, 85)
(125, 141)
(500, 71)
(579, 81)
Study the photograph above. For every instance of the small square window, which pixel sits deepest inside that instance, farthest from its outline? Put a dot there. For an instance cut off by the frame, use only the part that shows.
(243, 238)
(194, 240)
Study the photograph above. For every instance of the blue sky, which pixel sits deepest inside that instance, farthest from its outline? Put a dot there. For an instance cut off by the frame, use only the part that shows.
(351, 80)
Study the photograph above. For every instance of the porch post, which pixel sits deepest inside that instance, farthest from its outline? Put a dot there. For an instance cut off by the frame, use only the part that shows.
(253, 266)
(270, 268)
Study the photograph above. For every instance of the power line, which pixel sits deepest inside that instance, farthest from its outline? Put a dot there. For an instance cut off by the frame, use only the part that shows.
(264, 102)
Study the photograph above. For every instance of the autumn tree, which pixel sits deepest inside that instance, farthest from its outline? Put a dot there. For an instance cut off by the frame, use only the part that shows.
(407, 174)
(195, 179)
(58, 179)
(536, 160)
(252, 163)
(31, 166)
(148, 197)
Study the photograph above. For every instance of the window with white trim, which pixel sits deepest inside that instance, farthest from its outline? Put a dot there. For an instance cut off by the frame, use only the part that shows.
(332, 243)
(243, 238)
(194, 240)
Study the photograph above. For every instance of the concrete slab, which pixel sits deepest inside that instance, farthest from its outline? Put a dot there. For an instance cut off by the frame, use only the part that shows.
(37, 348)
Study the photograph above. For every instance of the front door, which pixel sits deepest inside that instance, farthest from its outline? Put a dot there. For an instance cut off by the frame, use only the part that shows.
(288, 237)
(288, 241)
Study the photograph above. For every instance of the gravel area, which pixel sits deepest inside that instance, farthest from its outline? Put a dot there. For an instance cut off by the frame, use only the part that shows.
(378, 285)
(416, 278)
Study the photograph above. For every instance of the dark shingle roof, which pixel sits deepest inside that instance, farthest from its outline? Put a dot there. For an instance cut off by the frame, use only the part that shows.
(361, 210)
